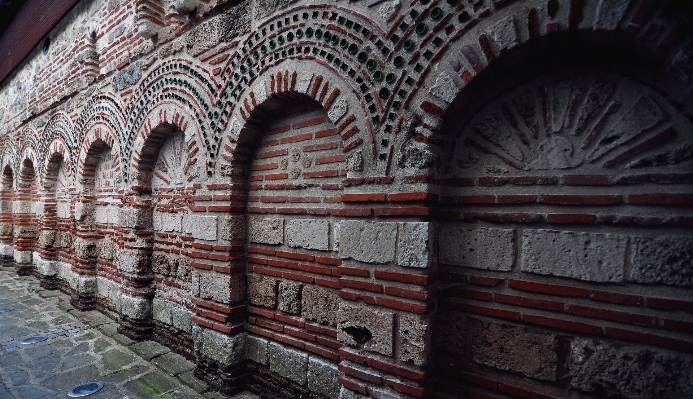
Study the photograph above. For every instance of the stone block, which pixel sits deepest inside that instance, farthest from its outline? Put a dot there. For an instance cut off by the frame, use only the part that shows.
(319, 304)
(108, 249)
(218, 287)
(415, 244)
(25, 231)
(23, 257)
(161, 310)
(346, 393)
(322, 377)
(256, 349)
(234, 228)
(135, 307)
(513, 348)
(450, 332)
(45, 268)
(262, 290)
(21, 207)
(610, 13)
(308, 233)
(133, 261)
(480, 247)
(128, 76)
(172, 222)
(370, 242)
(584, 256)
(106, 214)
(288, 363)
(223, 27)
(181, 318)
(6, 249)
(414, 339)
(504, 33)
(200, 227)
(46, 238)
(663, 260)
(266, 230)
(335, 236)
(84, 248)
(63, 210)
(211, 344)
(609, 369)
(264, 8)
(365, 327)
(290, 297)
(135, 218)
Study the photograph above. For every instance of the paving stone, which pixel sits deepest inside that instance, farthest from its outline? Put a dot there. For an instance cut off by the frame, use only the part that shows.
(149, 349)
(152, 384)
(173, 363)
(109, 329)
(116, 359)
(189, 379)
(123, 340)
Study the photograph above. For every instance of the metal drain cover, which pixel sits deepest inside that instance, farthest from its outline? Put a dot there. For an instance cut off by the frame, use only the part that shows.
(85, 389)
(33, 340)
(6, 309)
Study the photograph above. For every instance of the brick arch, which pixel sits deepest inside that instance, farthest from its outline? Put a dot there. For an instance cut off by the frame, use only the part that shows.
(99, 138)
(161, 121)
(320, 84)
(56, 153)
(539, 246)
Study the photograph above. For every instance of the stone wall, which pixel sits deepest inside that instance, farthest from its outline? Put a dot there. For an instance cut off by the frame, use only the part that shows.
(387, 199)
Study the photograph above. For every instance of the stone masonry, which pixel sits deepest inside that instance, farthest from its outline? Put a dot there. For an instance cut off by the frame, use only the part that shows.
(368, 199)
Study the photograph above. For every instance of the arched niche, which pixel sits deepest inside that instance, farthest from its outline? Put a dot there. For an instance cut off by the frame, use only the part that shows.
(564, 195)
(6, 223)
(24, 210)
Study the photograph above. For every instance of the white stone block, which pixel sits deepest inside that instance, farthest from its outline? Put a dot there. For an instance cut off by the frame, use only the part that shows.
(480, 248)
(370, 242)
(308, 233)
(201, 227)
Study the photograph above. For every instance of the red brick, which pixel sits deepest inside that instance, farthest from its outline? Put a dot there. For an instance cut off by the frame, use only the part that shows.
(320, 147)
(353, 385)
(661, 199)
(361, 285)
(544, 288)
(570, 218)
(586, 180)
(408, 389)
(372, 197)
(354, 271)
(419, 295)
(402, 305)
(562, 324)
(310, 122)
(461, 292)
(360, 374)
(325, 133)
(482, 310)
(601, 313)
(561, 199)
(521, 392)
(414, 196)
(650, 339)
(484, 281)
(614, 297)
(669, 304)
(528, 302)
(418, 279)
(296, 138)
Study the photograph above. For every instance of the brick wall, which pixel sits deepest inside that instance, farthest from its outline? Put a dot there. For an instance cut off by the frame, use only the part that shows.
(377, 199)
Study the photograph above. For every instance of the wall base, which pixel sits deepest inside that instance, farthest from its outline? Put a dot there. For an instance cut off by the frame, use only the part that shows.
(176, 340)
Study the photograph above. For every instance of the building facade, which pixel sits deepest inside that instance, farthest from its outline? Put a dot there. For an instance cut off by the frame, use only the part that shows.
(386, 199)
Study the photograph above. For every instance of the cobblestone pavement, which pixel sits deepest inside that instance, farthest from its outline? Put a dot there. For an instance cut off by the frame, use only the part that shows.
(81, 347)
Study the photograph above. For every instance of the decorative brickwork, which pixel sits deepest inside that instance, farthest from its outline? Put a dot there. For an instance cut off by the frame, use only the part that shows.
(387, 199)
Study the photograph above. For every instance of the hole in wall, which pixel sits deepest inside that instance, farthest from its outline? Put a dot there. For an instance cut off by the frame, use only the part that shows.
(360, 334)
(46, 45)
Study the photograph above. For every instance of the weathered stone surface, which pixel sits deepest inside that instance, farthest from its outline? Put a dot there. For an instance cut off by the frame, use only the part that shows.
(234, 228)
(135, 307)
(370, 242)
(262, 290)
(266, 230)
(610, 13)
(444, 87)
(366, 327)
(504, 33)
(264, 8)
(308, 233)
(127, 76)
(613, 370)
(322, 377)
(416, 244)
(45, 267)
(139, 218)
(161, 310)
(181, 318)
(202, 227)
(414, 339)
(663, 259)
(319, 304)
(224, 27)
(346, 393)
(84, 248)
(133, 261)
(256, 349)
(290, 297)
(519, 349)
(227, 350)
(480, 248)
(583, 256)
(450, 332)
(288, 363)
(217, 287)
